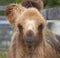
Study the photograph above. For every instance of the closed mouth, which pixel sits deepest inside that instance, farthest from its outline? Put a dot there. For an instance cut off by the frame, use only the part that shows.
(29, 40)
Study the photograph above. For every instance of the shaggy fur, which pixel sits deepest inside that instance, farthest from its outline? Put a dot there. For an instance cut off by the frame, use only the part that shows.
(13, 11)
(38, 4)
(33, 3)
(41, 46)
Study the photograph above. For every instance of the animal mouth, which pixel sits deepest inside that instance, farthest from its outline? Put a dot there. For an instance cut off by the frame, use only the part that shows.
(29, 40)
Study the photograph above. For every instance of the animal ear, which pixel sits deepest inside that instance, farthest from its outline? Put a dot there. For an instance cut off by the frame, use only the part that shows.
(12, 12)
(33, 3)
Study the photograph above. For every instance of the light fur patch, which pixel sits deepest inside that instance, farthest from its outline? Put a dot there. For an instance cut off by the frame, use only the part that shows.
(30, 24)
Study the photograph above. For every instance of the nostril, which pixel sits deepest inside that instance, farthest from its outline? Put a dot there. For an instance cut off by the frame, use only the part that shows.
(29, 33)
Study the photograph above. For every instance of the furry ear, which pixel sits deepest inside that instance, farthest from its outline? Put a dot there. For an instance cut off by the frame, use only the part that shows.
(12, 12)
(33, 3)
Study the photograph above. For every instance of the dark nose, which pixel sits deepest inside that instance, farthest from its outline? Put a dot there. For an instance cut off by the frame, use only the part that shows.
(29, 38)
(29, 33)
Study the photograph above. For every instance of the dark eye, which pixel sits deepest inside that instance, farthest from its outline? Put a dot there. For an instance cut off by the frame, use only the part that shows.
(40, 27)
(20, 27)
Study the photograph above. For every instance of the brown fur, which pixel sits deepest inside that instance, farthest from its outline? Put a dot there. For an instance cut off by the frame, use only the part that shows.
(33, 3)
(12, 11)
(39, 5)
(41, 48)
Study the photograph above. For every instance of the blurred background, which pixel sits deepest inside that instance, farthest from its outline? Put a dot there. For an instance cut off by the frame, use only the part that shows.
(51, 13)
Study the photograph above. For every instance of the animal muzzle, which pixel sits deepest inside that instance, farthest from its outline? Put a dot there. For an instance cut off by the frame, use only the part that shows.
(29, 37)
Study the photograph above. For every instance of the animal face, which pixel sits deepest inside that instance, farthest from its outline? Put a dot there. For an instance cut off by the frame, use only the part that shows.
(31, 25)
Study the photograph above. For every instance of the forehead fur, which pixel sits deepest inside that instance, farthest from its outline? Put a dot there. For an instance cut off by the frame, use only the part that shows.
(32, 14)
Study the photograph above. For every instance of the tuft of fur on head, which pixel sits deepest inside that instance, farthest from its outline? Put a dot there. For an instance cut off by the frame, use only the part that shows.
(33, 3)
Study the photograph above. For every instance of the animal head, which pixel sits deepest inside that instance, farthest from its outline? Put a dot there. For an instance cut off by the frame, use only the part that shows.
(29, 24)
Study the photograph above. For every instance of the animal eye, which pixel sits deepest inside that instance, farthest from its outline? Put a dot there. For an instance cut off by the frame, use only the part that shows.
(40, 27)
(20, 27)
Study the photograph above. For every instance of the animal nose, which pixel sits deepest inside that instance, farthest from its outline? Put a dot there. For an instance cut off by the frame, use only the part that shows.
(30, 33)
